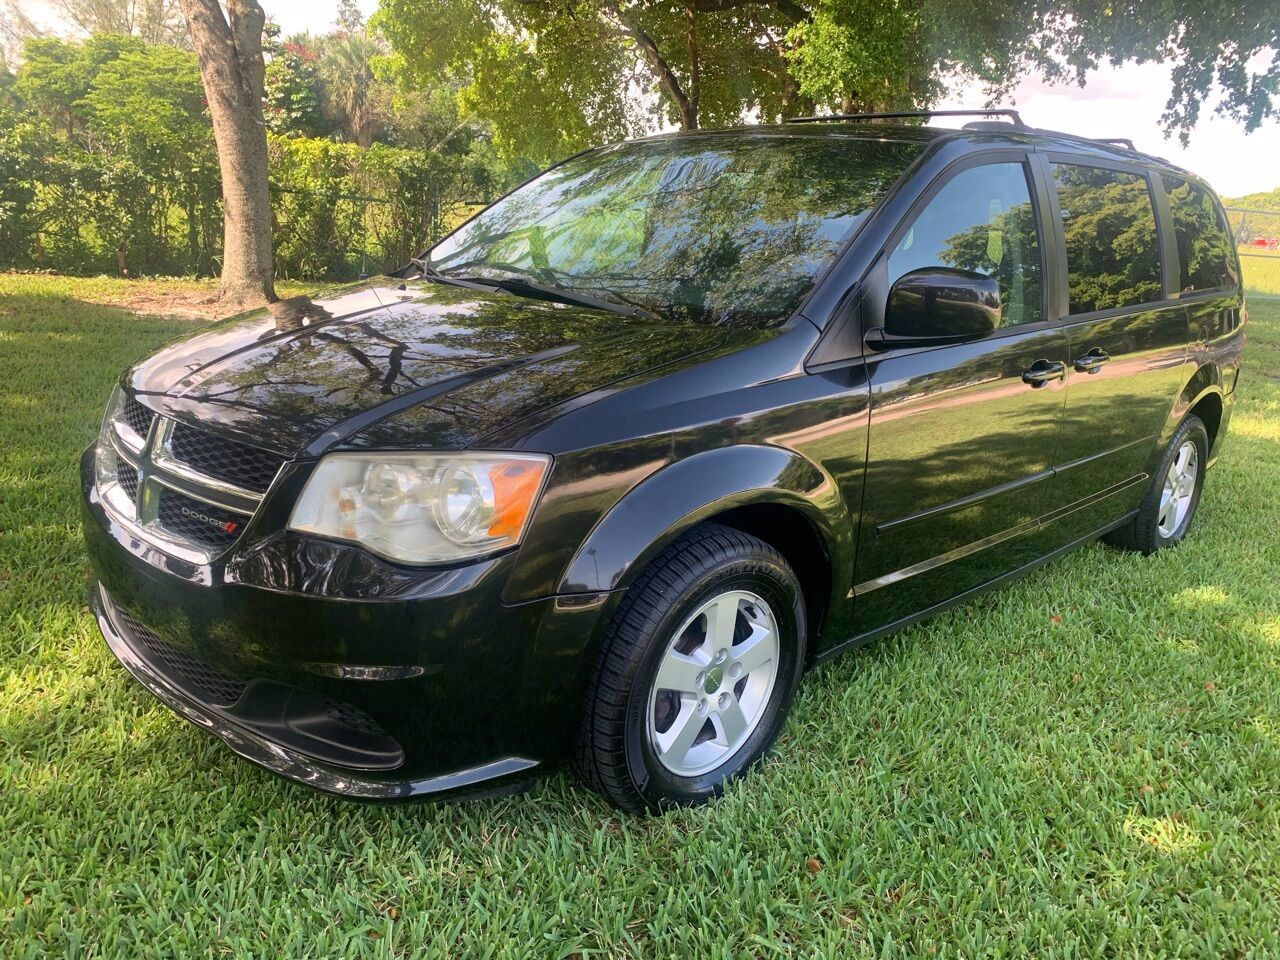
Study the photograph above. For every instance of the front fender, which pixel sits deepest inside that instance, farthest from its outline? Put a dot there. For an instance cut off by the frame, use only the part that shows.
(697, 488)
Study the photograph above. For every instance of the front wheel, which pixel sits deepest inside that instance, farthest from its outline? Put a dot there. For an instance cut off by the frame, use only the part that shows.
(1167, 510)
(697, 672)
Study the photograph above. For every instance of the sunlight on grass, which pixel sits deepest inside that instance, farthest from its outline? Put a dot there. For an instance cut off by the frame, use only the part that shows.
(1195, 598)
(1169, 834)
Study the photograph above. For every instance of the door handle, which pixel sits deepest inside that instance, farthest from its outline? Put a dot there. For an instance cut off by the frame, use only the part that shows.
(1042, 371)
(1092, 361)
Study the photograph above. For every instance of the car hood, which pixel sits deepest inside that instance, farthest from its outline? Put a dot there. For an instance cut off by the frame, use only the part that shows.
(306, 374)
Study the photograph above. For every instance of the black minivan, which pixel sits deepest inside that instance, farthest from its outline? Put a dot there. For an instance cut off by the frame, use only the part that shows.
(600, 475)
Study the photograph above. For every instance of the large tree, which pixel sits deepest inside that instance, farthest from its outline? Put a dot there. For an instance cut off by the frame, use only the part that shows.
(228, 48)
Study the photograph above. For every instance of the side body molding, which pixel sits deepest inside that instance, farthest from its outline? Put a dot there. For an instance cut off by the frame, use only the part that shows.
(689, 491)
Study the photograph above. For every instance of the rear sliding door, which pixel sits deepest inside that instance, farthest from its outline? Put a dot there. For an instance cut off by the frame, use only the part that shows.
(1127, 337)
(1208, 280)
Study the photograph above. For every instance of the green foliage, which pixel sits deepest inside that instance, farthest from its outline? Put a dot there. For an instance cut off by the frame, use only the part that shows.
(22, 157)
(292, 92)
(107, 147)
(351, 97)
(341, 210)
(116, 155)
(553, 77)
(1265, 200)
(549, 91)
(1226, 44)
(864, 55)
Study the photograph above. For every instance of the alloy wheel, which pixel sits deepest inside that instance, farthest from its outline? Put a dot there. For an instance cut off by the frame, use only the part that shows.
(713, 683)
(1179, 489)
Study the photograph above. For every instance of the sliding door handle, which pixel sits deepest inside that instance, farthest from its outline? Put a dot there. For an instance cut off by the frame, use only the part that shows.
(1092, 361)
(1043, 371)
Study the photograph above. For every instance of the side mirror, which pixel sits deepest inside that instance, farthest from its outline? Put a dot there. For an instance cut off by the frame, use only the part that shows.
(936, 306)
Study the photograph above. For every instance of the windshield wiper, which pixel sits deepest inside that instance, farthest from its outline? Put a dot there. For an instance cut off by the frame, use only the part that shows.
(520, 285)
(428, 272)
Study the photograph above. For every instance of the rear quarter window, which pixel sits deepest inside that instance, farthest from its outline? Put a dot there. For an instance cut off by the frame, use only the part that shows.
(1109, 223)
(1204, 242)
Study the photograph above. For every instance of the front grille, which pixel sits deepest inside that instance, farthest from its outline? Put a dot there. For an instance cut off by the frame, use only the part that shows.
(225, 460)
(127, 477)
(198, 678)
(137, 417)
(198, 521)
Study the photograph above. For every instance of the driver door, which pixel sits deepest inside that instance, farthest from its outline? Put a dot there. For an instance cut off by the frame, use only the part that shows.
(961, 445)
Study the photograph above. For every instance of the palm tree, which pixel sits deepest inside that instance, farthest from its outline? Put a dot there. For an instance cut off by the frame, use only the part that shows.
(348, 85)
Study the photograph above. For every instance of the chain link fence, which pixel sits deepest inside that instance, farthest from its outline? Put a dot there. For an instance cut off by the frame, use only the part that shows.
(344, 236)
(1257, 236)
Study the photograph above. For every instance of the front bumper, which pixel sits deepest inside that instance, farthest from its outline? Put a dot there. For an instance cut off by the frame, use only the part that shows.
(377, 687)
(259, 743)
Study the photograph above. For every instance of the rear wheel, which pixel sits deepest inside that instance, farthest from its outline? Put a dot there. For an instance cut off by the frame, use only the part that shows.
(697, 672)
(1167, 510)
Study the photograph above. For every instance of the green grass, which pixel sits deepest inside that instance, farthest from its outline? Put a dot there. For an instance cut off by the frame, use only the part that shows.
(1261, 271)
(1084, 764)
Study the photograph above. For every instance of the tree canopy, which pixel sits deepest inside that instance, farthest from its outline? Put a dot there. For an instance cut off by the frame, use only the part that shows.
(552, 76)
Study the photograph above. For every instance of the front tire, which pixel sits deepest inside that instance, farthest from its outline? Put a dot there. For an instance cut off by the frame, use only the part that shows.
(1167, 510)
(697, 672)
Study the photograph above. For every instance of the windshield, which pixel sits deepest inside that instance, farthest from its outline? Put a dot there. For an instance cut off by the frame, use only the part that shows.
(710, 230)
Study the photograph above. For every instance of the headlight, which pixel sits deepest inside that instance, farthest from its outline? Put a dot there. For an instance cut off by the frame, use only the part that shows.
(422, 508)
(105, 459)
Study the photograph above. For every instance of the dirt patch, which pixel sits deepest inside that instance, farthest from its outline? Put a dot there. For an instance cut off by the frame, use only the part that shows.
(186, 299)
(196, 304)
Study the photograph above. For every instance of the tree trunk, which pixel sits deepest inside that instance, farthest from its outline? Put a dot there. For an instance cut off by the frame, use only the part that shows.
(229, 51)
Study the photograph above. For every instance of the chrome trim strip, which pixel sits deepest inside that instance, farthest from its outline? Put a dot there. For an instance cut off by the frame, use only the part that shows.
(132, 457)
(151, 535)
(981, 496)
(127, 436)
(962, 502)
(122, 507)
(162, 456)
(924, 566)
(1092, 499)
(168, 484)
(1094, 457)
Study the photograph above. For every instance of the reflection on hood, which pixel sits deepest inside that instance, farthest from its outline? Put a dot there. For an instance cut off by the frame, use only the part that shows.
(448, 364)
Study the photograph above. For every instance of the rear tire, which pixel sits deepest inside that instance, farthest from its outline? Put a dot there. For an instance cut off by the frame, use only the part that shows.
(1170, 505)
(678, 707)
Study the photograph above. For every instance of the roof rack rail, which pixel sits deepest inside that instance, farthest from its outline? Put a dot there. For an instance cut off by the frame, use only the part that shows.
(1117, 141)
(911, 114)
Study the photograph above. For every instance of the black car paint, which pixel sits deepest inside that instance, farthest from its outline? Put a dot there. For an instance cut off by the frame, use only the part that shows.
(863, 466)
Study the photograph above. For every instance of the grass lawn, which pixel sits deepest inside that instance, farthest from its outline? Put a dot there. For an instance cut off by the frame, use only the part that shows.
(1084, 764)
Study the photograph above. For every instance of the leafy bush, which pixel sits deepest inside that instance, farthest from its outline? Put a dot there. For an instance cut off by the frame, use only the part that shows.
(109, 158)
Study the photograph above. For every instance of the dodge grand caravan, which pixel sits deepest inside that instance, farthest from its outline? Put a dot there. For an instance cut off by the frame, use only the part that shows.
(597, 478)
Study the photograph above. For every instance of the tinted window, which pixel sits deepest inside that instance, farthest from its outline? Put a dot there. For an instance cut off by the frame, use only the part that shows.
(1204, 243)
(982, 221)
(721, 230)
(1113, 259)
